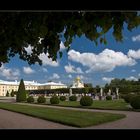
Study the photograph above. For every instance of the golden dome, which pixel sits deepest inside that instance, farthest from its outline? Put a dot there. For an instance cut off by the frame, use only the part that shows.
(77, 78)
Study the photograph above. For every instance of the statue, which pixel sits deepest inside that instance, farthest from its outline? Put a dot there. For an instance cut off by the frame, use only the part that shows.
(101, 92)
(109, 92)
(117, 93)
(70, 91)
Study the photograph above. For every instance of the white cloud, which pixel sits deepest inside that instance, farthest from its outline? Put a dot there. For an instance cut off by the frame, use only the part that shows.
(107, 79)
(105, 61)
(29, 50)
(132, 78)
(9, 74)
(71, 69)
(47, 61)
(136, 38)
(44, 70)
(70, 76)
(55, 76)
(62, 46)
(134, 54)
(133, 70)
(139, 74)
(28, 70)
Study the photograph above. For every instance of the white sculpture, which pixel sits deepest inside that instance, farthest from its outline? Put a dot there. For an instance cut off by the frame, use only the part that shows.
(101, 92)
(70, 91)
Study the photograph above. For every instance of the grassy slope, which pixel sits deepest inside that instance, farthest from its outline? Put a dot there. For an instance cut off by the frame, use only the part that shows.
(68, 117)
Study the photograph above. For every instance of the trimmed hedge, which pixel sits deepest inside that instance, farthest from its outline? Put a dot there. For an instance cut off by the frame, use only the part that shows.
(135, 102)
(127, 98)
(86, 101)
(62, 98)
(108, 97)
(41, 99)
(30, 99)
(73, 98)
(54, 100)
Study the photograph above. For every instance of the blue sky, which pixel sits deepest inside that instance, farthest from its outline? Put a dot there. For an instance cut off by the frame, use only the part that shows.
(94, 64)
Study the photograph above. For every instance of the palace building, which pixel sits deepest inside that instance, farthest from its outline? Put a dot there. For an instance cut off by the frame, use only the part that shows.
(29, 85)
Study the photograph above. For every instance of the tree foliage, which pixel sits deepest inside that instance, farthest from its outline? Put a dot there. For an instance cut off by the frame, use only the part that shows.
(21, 94)
(12, 93)
(18, 30)
(7, 94)
(125, 86)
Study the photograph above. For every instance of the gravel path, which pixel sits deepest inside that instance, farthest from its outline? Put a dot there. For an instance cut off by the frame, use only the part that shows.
(10, 119)
(13, 120)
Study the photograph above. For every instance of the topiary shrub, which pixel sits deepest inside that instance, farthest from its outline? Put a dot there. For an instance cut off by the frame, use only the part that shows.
(30, 99)
(41, 99)
(135, 102)
(54, 100)
(86, 101)
(21, 94)
(73, 98)
(108, 97)
(127, 98)
(62, 98)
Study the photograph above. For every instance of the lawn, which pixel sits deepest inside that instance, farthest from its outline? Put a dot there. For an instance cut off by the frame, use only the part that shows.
(64, 116)
(113, 104)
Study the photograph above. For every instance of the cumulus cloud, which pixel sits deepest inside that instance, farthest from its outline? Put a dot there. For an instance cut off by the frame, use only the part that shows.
(134, 54)
(70, 76)
(28, 70)
(47, 61)
(133, 70)
(132, 78)
(71, 69)
(44, 57)
(107, 79)
(105, 61)
(29, 50)
(55, 76)
(9, 74)
(139, 74)
(136, 38)
(62, 46)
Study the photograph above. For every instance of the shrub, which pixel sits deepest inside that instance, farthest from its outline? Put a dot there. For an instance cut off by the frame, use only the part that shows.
(108, 97)
(41, 99)
(12, 93)
(73, 98)
(7, 94)
(62, 98)
(128, 97)
(135, 102)
(86, 101)
(30, 99)
(54, 100)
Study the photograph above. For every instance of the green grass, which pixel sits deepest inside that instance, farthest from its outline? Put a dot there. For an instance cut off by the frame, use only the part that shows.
(113, 104)
(64, 116)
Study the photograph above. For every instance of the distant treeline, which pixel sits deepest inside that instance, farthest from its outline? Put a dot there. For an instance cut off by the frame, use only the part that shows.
(125, 86)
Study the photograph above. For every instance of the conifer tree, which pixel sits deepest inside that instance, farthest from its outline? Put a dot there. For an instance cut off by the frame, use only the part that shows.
(21, 94)
(12, 93)
(7, 94)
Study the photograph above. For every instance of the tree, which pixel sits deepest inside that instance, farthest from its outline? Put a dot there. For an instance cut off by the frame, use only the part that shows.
(12, 93)
(21, 94)
(86, 90)
(43, 31)
(88, 85)
(7, 94)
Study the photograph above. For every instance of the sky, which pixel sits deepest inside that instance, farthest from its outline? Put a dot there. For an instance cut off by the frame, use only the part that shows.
(93, 64)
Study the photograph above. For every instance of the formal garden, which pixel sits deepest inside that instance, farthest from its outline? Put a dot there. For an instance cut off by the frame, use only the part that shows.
(29, 104)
